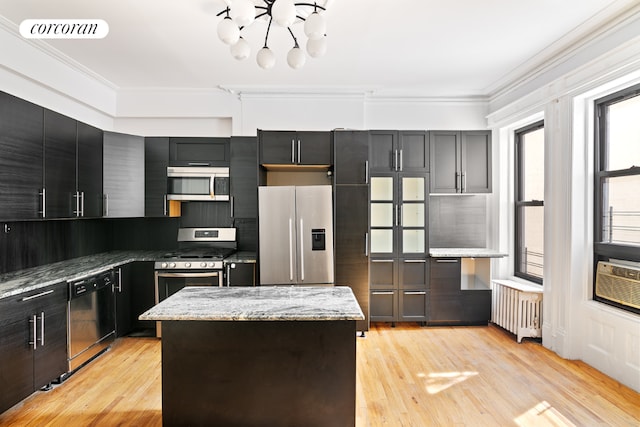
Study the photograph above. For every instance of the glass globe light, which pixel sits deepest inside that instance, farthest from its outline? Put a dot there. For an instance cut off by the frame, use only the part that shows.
(296, 58)
(315, 27)
(265, 58)
(283, 12)
(317, 48)
(228, 31)
(241, 50)
(243, 12)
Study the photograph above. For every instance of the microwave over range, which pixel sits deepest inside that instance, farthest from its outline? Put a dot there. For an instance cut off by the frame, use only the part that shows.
(198, 183)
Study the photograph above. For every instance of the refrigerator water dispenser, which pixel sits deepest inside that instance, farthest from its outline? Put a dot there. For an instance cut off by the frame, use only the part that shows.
(318, 239)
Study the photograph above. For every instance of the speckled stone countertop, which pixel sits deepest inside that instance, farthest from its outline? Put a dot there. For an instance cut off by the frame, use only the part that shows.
(263, 303)
(31, 279)
(465, 253)
(241, 257)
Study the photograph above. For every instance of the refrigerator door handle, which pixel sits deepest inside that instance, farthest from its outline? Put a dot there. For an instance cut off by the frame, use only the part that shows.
(301, 250)
(291, 249)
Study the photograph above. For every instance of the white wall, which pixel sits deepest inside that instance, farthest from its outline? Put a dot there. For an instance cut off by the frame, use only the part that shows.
(574, 325)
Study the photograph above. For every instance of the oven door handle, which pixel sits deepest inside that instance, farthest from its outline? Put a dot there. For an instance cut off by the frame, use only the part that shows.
(207, 274)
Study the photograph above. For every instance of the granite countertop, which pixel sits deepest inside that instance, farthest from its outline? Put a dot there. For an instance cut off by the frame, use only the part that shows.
(265, 303)
(31, 279)
(465, 253)
(246, 257)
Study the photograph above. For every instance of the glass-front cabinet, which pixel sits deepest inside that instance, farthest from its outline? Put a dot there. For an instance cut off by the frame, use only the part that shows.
(399, 269)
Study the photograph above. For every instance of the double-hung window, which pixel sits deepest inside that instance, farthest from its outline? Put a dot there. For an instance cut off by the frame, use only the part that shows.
(529, 202)
(617, 177)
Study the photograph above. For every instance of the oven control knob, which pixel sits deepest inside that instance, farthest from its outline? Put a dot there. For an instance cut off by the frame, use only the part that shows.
(163, 265)
(187, 264)
(211, 264)
(203, 264)
(172, 265)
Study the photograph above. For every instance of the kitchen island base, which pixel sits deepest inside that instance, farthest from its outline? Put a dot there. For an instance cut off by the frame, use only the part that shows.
(258, 373)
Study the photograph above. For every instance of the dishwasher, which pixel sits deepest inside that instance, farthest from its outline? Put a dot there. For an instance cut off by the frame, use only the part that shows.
(92, 319)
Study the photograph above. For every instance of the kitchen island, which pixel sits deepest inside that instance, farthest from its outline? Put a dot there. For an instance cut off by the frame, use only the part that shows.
(276, 355)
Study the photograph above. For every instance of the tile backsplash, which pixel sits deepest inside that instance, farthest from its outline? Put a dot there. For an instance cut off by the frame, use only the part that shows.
(458, 221)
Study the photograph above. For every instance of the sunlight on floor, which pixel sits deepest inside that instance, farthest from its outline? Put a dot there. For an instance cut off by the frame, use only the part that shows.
(437, 382)
(543, 414)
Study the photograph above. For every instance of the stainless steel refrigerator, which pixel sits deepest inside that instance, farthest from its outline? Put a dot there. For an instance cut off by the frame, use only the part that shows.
(296, 235)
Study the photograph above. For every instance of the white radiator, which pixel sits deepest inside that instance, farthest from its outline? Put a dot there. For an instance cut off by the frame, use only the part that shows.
(517, 308)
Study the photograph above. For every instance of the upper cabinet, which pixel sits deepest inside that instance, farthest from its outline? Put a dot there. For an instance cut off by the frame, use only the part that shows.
(156, 161)
(460, 161)
(244, 177)
(199, 152)
(123, 175)
(351, 157)
(303, 148)
(89, 171)
(399, 151)
(59, 165)
(21, 156)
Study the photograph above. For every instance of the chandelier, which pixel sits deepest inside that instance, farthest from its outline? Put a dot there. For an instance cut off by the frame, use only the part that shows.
(240, 14)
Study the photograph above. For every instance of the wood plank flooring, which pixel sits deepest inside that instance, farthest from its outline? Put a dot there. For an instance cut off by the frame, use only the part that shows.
(407, 376)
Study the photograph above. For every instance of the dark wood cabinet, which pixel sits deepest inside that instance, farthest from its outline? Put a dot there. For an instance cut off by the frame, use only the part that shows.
(460, 161)
(244, 177)
(399, 151)
(450, 303)
(21, 158)
(156, 161)
(351, 157)
(199, 151)
(33, 342)
(59, 165)
(89, 171)
(124, 314)
(139, 277)
(295, 148)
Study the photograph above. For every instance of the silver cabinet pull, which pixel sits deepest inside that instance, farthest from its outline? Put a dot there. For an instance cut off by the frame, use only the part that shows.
(397, 220)
(450, 261)
(41, 328)
(382, 260)
(401, 160)
(422, 261)
(34, 331)
(106, 205)
(366, 171)
(395, 164)
(382, 293)
(43, 195)
(366, 244)
(82, 203)
(211, 186)
(37, 295)
(76, 196)
(164, 205)
(299, 161)
(119, 279)
(464, 183)
(293, 151)
(415, 293)
(198, 164)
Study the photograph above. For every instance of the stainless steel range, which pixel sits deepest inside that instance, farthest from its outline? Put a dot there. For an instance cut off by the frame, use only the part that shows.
(197, 262)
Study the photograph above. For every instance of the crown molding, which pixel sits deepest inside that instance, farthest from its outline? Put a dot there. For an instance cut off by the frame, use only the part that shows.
(596, 28)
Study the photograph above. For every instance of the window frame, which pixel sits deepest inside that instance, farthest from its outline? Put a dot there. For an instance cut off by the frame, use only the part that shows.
(519, 203)
(603, 250)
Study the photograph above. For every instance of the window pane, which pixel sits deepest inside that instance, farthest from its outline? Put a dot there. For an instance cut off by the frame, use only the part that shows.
(532, 243)
(381, 188)
(413, 215)
(412, 189)
(413, 241)
(532, 174)
(621, 210)
(382, 241)
(382, 214)
(624, 134)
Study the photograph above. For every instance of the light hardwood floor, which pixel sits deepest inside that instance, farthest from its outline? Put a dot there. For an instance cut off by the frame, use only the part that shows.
(407, 376)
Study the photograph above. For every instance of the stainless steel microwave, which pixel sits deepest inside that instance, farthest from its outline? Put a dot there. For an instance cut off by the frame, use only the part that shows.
(198, 183)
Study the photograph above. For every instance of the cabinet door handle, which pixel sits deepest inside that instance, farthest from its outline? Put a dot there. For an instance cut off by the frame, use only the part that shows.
(401, 162)
(395, 164)
(82, 203)
(382, 260)
(37, 295)
(41, 328)
(199, 164)
(120, 280)
(396, 219)
(415, 293)
(43, 195)
(232, 206)
(382, 293)
(164, 204)
(293, 151)
(463, 186)
(76, 196)
(34, 331)
(106, 205)
(422, 261)
(444, 261)
(366, 171)
(299, 161)
(366, 244)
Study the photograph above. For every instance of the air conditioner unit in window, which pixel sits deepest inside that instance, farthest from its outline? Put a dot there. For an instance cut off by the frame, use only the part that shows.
(618, 283)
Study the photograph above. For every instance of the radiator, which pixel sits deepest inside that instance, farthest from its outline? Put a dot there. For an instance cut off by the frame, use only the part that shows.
(517, 308)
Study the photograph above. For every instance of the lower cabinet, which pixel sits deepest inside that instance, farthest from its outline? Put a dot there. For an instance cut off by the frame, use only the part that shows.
(135, 294)
(33, 342)
(399, 290)
(124, 314)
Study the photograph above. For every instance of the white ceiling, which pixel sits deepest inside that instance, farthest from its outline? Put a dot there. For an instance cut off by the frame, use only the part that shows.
(408, 47)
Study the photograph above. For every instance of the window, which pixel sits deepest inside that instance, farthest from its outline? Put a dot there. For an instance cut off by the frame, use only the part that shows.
(617, 177)
(529, 202)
